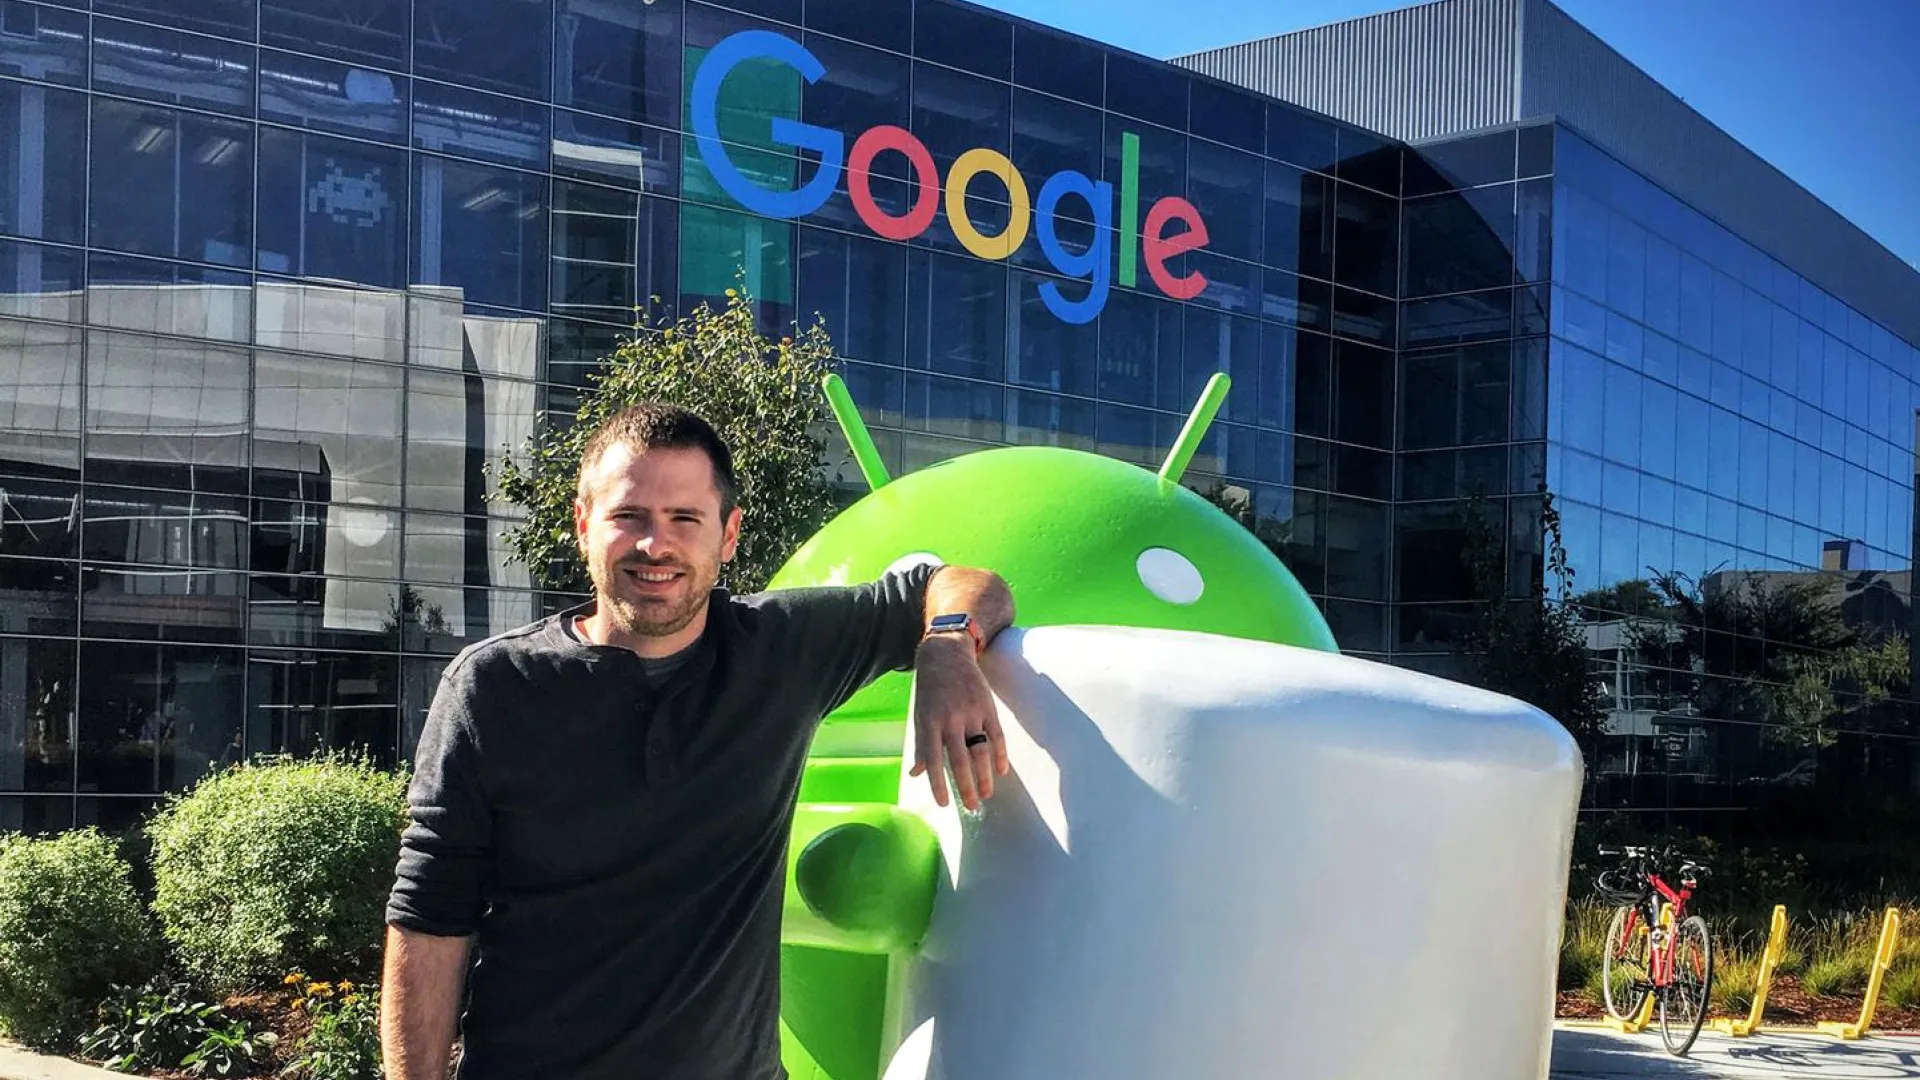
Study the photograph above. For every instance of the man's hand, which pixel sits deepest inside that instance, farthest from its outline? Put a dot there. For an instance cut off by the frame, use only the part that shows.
(956, 724)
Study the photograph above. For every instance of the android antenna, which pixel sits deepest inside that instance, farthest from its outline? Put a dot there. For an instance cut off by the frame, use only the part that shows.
(865, 453)
(1196, 427)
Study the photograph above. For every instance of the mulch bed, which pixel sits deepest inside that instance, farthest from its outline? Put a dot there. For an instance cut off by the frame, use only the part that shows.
(1787, 1005)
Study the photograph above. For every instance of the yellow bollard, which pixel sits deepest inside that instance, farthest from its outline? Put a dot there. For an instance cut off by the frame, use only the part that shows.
(1769, 959)
(1882, 960)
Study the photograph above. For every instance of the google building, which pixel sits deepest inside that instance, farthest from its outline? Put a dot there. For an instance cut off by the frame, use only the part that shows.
(280, 279)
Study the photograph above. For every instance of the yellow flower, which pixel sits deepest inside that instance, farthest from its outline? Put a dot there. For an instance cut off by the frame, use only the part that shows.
(299, 1003)
(350, 999)
(319, 989)
(346, 987)
(292, 980)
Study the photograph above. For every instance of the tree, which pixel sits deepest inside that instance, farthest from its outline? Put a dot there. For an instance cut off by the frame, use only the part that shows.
(762, 395)
(1533, 647)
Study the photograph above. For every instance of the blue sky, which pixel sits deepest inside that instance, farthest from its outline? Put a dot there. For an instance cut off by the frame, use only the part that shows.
(1826, 90)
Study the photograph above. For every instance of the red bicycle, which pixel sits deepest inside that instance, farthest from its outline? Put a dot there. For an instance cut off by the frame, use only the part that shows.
(1654, 947)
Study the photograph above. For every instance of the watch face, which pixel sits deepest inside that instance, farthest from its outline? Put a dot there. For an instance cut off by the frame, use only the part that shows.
(950, 622)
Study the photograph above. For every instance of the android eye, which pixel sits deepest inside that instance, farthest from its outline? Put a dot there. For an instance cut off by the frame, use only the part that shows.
(1170, 575)
(918, 558)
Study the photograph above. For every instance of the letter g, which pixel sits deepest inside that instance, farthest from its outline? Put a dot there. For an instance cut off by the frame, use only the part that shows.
(720, 61)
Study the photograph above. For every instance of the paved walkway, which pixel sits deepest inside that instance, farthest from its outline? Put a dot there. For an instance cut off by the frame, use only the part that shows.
(1585, 1053)
(18, 1064)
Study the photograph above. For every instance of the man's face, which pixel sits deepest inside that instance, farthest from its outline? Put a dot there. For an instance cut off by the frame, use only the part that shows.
(653, 536)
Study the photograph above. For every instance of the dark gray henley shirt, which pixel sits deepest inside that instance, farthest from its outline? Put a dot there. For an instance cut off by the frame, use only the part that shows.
(616, 843)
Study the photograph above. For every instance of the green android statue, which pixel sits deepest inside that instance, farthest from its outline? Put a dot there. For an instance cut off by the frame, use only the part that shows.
(1081, 539)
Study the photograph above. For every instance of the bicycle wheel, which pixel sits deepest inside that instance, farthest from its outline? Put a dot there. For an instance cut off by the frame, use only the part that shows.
(1683, 1005)
(1624, 970)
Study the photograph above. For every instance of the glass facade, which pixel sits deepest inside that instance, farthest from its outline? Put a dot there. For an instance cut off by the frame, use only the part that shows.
(279, 281)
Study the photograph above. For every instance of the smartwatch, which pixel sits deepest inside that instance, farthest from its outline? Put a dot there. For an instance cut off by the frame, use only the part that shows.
(959, 623)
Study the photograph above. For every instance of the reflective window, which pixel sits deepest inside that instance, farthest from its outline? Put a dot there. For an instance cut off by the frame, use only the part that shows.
(1273, 405)
(1456, 242)
(303, 316)
(1367, 159)
(165, 413)
(1300, 138)
(43, 43)
(1228, 185)
(880, 394)
(1461, 163)
(1362, 395)
(1367, 240)
(717, 246)
(328, 429)
(302, 702)
(1454, 397)
(326, 613)
(1058, 64)
(482, 230)
(1370, 318)
(858, 287)
(619, 59)
(228, 18)
(157, 717)
(1040, 419)
(40, 370)
(1140, 339)
(170, 298)
(320, 536)
(1050, 135)
(1443, 320)
(616, 152)
(38, 520)
(143, 527)
(163, 604)
(447, 549)
(955, 113)
(1626, 267)
(1313, 398)
(1147, 91)
(445, 619)
(1299, 221)
(358, 31)
(613, 252)
(455, 120)
(752, 92)
(332, 209)
(1227, 114)
(42, 163)
(1218, 343)
(326, 95)
(1357, 548)
(171, 184)
(173, 68)
(447, 334)
(37, 687)
(1580, 241)
(958, 407)
(498, 45)
(963, 37)
(886, 23)
(442, 407)
(1045, 351)
(1530, 389)
(1533, 230)
(1127, 434)
(956, 315)
(1577, 383)
(40, 282)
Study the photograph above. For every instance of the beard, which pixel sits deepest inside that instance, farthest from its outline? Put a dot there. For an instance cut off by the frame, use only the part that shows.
(646, 613)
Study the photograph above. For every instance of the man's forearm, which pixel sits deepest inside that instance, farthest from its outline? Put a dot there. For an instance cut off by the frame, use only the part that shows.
(420, 1003)
(981, 594)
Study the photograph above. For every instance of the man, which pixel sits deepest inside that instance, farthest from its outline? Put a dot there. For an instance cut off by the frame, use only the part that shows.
(602, 799)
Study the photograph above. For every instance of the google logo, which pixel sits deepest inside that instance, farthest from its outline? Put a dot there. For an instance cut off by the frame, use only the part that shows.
(1155, 244)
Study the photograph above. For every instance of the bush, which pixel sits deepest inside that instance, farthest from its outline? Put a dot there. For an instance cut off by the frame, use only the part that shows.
(165, 1025)
(70, 927)
(1902, 987)
(273, 866)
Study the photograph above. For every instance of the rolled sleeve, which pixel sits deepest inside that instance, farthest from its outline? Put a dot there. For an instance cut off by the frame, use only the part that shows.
(444, 850)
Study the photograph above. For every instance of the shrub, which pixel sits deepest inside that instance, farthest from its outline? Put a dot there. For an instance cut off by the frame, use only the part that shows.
(165, 1025)
(1902, 988)
(1837, 976)
(272, 866)
(70, 927)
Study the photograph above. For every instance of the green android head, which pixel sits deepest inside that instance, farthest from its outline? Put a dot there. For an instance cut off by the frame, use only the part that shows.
(1081, 539)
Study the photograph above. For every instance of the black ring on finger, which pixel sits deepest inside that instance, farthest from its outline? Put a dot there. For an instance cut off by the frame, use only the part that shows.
(976, 739)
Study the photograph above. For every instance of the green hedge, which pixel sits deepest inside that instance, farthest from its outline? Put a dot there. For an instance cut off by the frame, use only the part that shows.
(71, 926)
(268, 868)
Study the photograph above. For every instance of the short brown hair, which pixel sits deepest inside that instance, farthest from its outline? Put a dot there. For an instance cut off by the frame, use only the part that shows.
(652, 425)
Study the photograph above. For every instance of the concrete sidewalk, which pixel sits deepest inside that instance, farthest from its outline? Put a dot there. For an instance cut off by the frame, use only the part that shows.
(20, 1064)
(1585, 1053)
